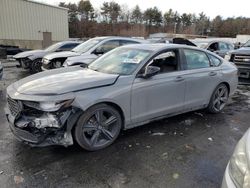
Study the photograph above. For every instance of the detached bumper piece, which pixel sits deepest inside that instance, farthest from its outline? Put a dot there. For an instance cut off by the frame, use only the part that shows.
(38, 128)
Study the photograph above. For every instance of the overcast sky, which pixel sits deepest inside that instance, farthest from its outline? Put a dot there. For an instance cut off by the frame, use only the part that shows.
(211, 8)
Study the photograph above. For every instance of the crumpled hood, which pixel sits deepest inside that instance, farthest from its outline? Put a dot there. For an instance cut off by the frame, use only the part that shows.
(64, 54)
(35, 53)
(242, 50)
(63, 80)
(84, 58)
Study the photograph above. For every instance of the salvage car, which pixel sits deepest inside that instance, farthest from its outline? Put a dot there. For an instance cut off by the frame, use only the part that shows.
(241, 58)
(1, 70)
(127, 87)
(219, 47)
(32, 60)
(237, 173)
(86, 52)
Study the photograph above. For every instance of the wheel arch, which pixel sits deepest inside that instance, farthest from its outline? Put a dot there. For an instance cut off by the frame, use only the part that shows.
(228, 86)
(118, 108)
(109, 103)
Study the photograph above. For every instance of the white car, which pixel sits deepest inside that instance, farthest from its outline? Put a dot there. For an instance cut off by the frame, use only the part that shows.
(86, 52)
(237, 174)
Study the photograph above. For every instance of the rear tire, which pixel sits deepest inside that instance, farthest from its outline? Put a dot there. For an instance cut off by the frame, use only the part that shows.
(98, 127)
(218, 99)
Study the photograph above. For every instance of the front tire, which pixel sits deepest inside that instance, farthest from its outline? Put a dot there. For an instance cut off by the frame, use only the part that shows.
(218, 99)
(36, 66)
(98, 127)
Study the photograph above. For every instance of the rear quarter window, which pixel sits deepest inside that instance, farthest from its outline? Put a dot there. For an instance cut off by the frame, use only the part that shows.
(196, 59)
(215, 62)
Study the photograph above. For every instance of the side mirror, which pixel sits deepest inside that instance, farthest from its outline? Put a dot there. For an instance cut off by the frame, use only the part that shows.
(149, 72)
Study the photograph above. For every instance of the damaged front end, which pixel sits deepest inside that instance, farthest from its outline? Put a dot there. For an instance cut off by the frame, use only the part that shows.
(24, 63)
(42, 124)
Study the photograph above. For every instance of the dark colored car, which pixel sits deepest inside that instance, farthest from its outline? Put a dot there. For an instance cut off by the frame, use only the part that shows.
(32, 60)
(241, 58)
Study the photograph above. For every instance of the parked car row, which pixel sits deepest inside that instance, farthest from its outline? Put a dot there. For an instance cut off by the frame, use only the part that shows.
(32, 60)
(74, 52)
(86, 52)
(70, 53)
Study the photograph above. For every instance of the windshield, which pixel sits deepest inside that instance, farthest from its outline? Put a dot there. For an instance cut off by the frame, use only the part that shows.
(247, 44)
(84, 47)
(53, 47)
(123, 61)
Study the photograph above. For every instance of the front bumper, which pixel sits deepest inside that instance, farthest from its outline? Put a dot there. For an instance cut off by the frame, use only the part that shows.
(227, 181)
(27, 130)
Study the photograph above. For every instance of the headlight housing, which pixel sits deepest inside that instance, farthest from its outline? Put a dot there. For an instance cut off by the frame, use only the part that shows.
(50, 106)
(45, 61)
(238, 165)
(65, 64)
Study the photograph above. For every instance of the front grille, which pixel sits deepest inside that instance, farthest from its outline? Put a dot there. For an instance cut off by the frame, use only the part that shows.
(14, 106)
(238, 58)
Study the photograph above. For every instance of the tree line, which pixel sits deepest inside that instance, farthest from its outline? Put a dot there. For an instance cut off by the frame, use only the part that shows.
(115, 19)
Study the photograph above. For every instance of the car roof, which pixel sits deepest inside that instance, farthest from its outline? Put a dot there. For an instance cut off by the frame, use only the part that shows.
(160, 46)
(65, 42)
(120, 38)
(209, 41)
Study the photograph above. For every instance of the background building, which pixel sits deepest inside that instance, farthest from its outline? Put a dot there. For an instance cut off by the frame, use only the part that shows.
(30, 24)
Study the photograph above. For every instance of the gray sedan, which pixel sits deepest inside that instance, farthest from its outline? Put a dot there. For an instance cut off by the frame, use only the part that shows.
(127, 87)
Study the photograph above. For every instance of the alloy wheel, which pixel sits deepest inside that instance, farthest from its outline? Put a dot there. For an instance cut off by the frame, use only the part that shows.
(220, 98)
(101, 128)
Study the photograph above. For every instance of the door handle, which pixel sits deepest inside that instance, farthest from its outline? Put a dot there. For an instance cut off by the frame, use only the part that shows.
(179, 79)
(212, 73)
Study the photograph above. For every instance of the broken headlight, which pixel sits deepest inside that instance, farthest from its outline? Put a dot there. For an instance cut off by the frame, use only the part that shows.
(49, 106)
(238, 165)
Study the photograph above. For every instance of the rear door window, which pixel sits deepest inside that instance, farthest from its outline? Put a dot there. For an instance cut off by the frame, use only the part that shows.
(230, 46)
(109, 45)
(196, 59)
(223, 46)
